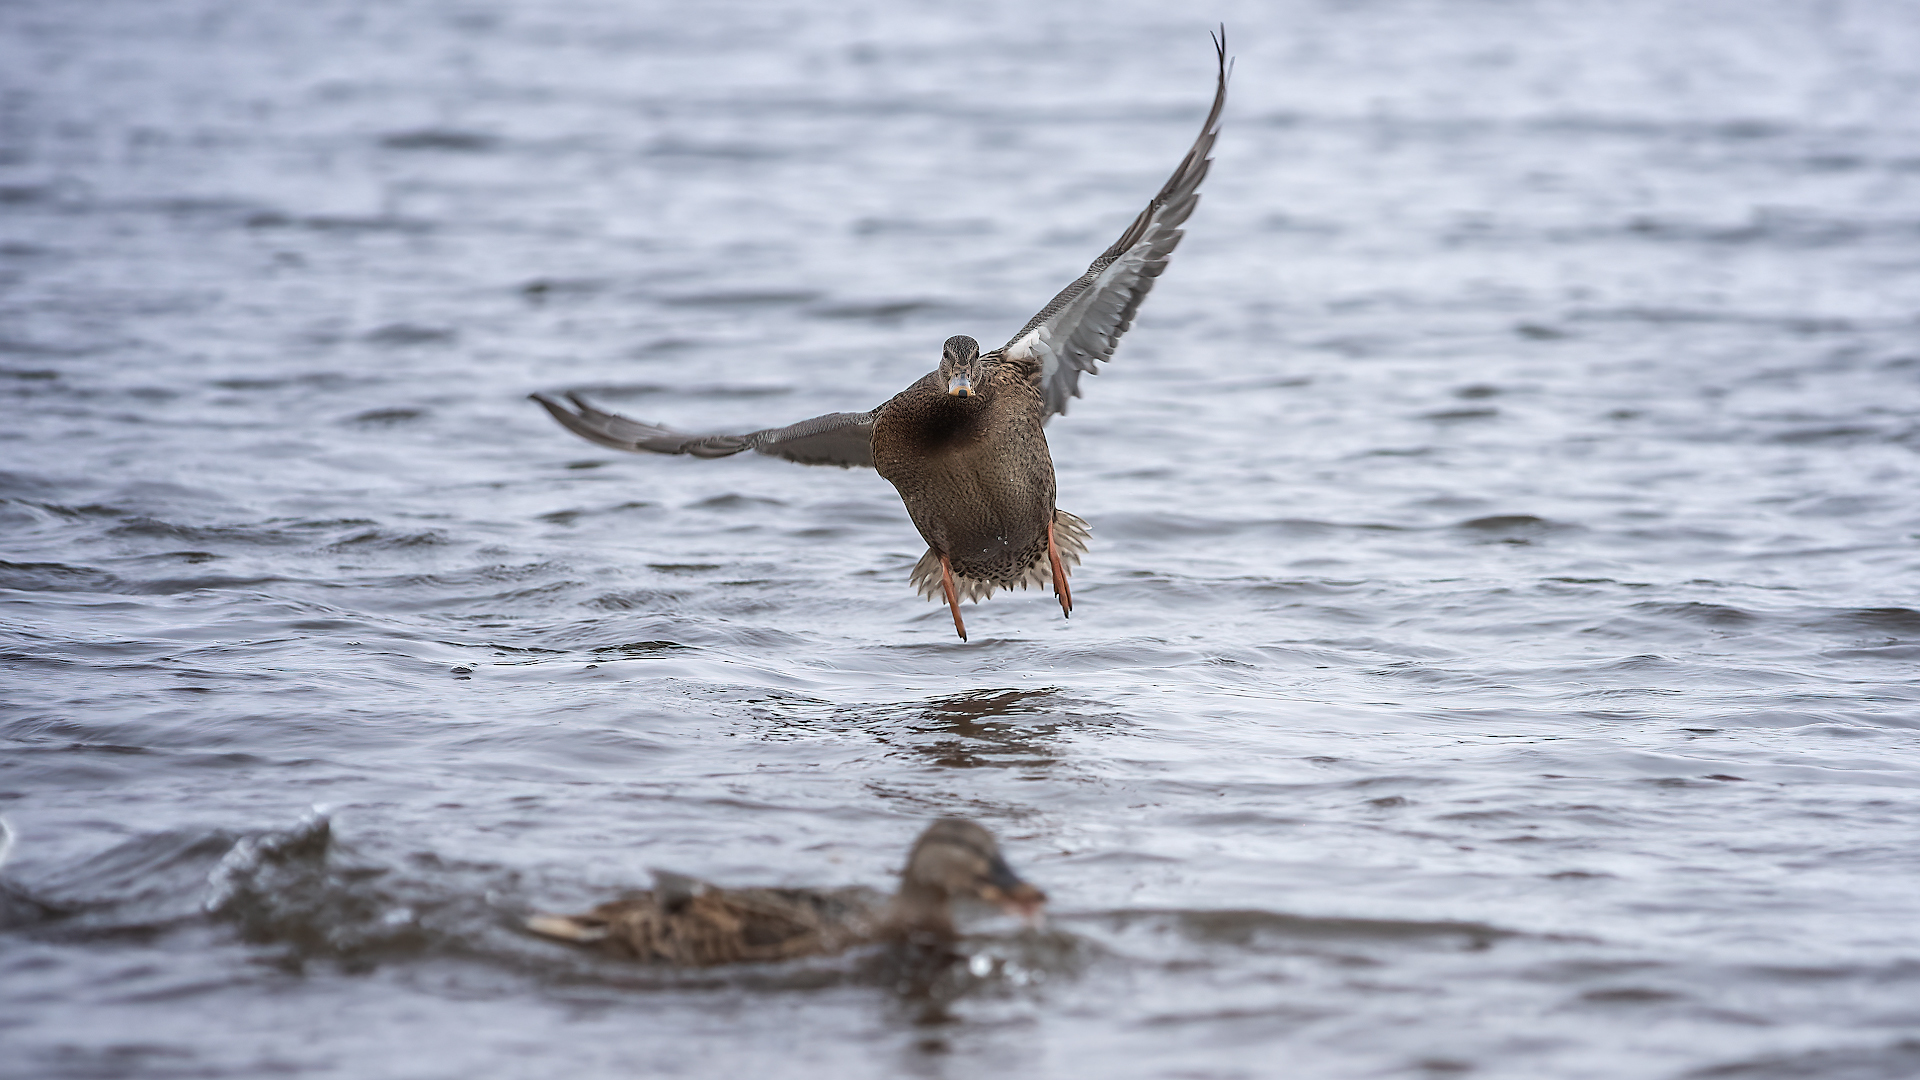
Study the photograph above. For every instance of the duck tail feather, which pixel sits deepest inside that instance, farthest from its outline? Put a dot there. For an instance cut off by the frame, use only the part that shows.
(926, 581)
(1070, 535)
(567, 927)
(926, 576)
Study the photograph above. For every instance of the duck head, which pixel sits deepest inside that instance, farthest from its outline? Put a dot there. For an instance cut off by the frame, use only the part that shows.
(956, 857)
(960, 366)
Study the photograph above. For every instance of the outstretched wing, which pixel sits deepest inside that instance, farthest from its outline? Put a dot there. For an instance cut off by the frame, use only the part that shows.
(1082, 325)
(843, 439)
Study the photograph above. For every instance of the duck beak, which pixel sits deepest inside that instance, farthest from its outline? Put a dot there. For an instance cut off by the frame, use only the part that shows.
(960, 386)
(1005, 890)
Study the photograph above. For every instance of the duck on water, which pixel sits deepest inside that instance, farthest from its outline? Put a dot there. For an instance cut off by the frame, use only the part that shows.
(966, 445)
(690, 923)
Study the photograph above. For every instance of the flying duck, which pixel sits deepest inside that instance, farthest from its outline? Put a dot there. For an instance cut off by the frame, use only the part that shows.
(966, 445)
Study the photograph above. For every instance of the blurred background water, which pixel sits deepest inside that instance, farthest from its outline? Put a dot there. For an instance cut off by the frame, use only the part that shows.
(1496, 656)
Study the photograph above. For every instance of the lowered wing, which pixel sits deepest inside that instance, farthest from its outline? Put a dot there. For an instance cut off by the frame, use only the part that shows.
(843, 439)
(1081, 326)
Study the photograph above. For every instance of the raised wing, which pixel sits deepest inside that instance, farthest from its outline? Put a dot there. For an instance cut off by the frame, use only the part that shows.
(1082, 325)
(843, 439)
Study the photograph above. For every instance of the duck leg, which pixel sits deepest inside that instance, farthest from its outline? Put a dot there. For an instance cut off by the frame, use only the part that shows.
(953, 596)
(1059, 575)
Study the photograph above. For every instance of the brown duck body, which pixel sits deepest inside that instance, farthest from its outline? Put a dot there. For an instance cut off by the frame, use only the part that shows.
(976, 476)
(696, 925)
(689, 923)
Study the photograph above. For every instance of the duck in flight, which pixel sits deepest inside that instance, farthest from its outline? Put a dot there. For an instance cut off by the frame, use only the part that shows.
(966, 445)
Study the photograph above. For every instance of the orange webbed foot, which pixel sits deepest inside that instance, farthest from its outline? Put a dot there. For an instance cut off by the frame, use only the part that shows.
(1060, 588)
(953, 595)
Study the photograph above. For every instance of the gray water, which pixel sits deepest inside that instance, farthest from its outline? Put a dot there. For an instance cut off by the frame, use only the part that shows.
(1496, 656)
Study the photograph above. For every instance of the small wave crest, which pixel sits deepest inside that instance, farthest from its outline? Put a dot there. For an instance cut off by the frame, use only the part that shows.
(295, 890)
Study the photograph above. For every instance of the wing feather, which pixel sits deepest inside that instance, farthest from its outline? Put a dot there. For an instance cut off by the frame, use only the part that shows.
(1081, 326)
(843, 439)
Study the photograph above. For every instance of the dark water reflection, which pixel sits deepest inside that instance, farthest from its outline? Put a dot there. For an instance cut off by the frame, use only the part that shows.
(1496, 654)
(999, 729)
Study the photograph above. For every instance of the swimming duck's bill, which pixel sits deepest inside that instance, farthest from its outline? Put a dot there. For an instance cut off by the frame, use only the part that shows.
(1005, 890)
(960, 385)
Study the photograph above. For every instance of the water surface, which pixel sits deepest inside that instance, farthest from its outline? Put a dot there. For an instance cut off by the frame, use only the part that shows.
(1496, 655)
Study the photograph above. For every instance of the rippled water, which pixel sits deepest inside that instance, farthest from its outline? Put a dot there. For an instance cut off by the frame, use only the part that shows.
(1497, 653)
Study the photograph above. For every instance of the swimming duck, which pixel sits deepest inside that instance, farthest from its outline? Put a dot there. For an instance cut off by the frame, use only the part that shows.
(965, 445)
(687, 922)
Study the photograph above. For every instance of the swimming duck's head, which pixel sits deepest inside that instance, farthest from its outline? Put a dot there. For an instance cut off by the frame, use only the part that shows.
(957, 857)
(960, 365)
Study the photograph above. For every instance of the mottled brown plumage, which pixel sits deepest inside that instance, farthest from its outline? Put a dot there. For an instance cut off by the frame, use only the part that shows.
(966, 450)
(690, 923)
(965, 445)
